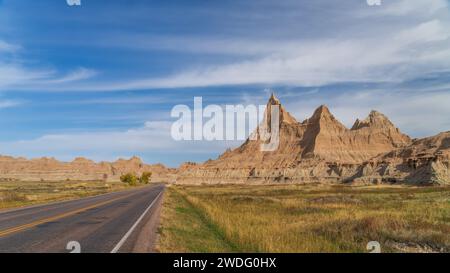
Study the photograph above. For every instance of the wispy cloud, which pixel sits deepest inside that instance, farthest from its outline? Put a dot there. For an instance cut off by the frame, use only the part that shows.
(10, 103)
(73, 76)
(414, 7)
(16, 74)
(392, 57)
(397, 41)
(152, 137)
(7, 47)
(13, 74)
(389, 47)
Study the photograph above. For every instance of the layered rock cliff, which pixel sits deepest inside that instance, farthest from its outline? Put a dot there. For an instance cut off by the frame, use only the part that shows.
(425, 161)
(321, 149)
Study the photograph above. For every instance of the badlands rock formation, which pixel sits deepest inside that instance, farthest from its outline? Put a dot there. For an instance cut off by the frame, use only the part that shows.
(318, 149)
(80, 169)
(424, 161)
(321, 149)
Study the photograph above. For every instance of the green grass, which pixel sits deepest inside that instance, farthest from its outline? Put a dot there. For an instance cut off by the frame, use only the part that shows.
(187, 229)
(17, 193)
(305, 218)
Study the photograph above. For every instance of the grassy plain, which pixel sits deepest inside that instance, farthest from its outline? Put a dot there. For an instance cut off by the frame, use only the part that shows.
(17, 193)
(304, 218)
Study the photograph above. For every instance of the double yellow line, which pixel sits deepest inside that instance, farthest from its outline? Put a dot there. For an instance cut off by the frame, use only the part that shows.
(12, 230)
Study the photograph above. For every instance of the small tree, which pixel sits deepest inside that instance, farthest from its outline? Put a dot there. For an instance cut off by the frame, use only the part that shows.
(145, 177)
(129, 178)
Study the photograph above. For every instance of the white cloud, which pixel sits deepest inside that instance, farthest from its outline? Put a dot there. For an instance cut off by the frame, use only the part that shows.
(399, 40)
(392, 57)
(379, 52)
(152, 137)
(427, 32)
(12, 71)
(73, 76)
(7, 47)
(413, 7)
(14, 74)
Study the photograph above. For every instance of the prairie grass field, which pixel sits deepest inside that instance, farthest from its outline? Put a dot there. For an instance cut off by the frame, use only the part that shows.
(304, 218)
(21, 193)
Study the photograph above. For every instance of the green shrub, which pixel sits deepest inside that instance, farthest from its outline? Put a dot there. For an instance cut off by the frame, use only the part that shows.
(145, 177)
(129, 178)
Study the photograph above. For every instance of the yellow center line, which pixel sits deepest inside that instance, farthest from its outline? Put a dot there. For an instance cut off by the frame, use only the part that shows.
(57, 217)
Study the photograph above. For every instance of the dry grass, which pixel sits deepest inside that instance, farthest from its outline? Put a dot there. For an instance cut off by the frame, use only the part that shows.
(311, 218)
(186, 229)
(16, 193)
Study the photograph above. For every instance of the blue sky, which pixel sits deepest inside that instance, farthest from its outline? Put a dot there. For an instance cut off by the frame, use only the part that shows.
(100, 80)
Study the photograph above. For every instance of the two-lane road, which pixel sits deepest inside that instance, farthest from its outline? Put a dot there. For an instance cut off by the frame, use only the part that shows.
(115, 222)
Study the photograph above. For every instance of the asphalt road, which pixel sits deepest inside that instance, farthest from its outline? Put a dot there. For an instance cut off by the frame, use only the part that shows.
(115, 222)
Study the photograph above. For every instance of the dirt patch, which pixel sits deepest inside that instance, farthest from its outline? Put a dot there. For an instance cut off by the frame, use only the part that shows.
(412, 247)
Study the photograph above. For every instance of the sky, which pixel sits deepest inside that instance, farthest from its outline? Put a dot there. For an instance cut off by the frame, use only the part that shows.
(100, 80)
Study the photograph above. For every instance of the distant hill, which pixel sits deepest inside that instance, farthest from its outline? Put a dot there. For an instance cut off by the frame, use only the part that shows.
(80, 169)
